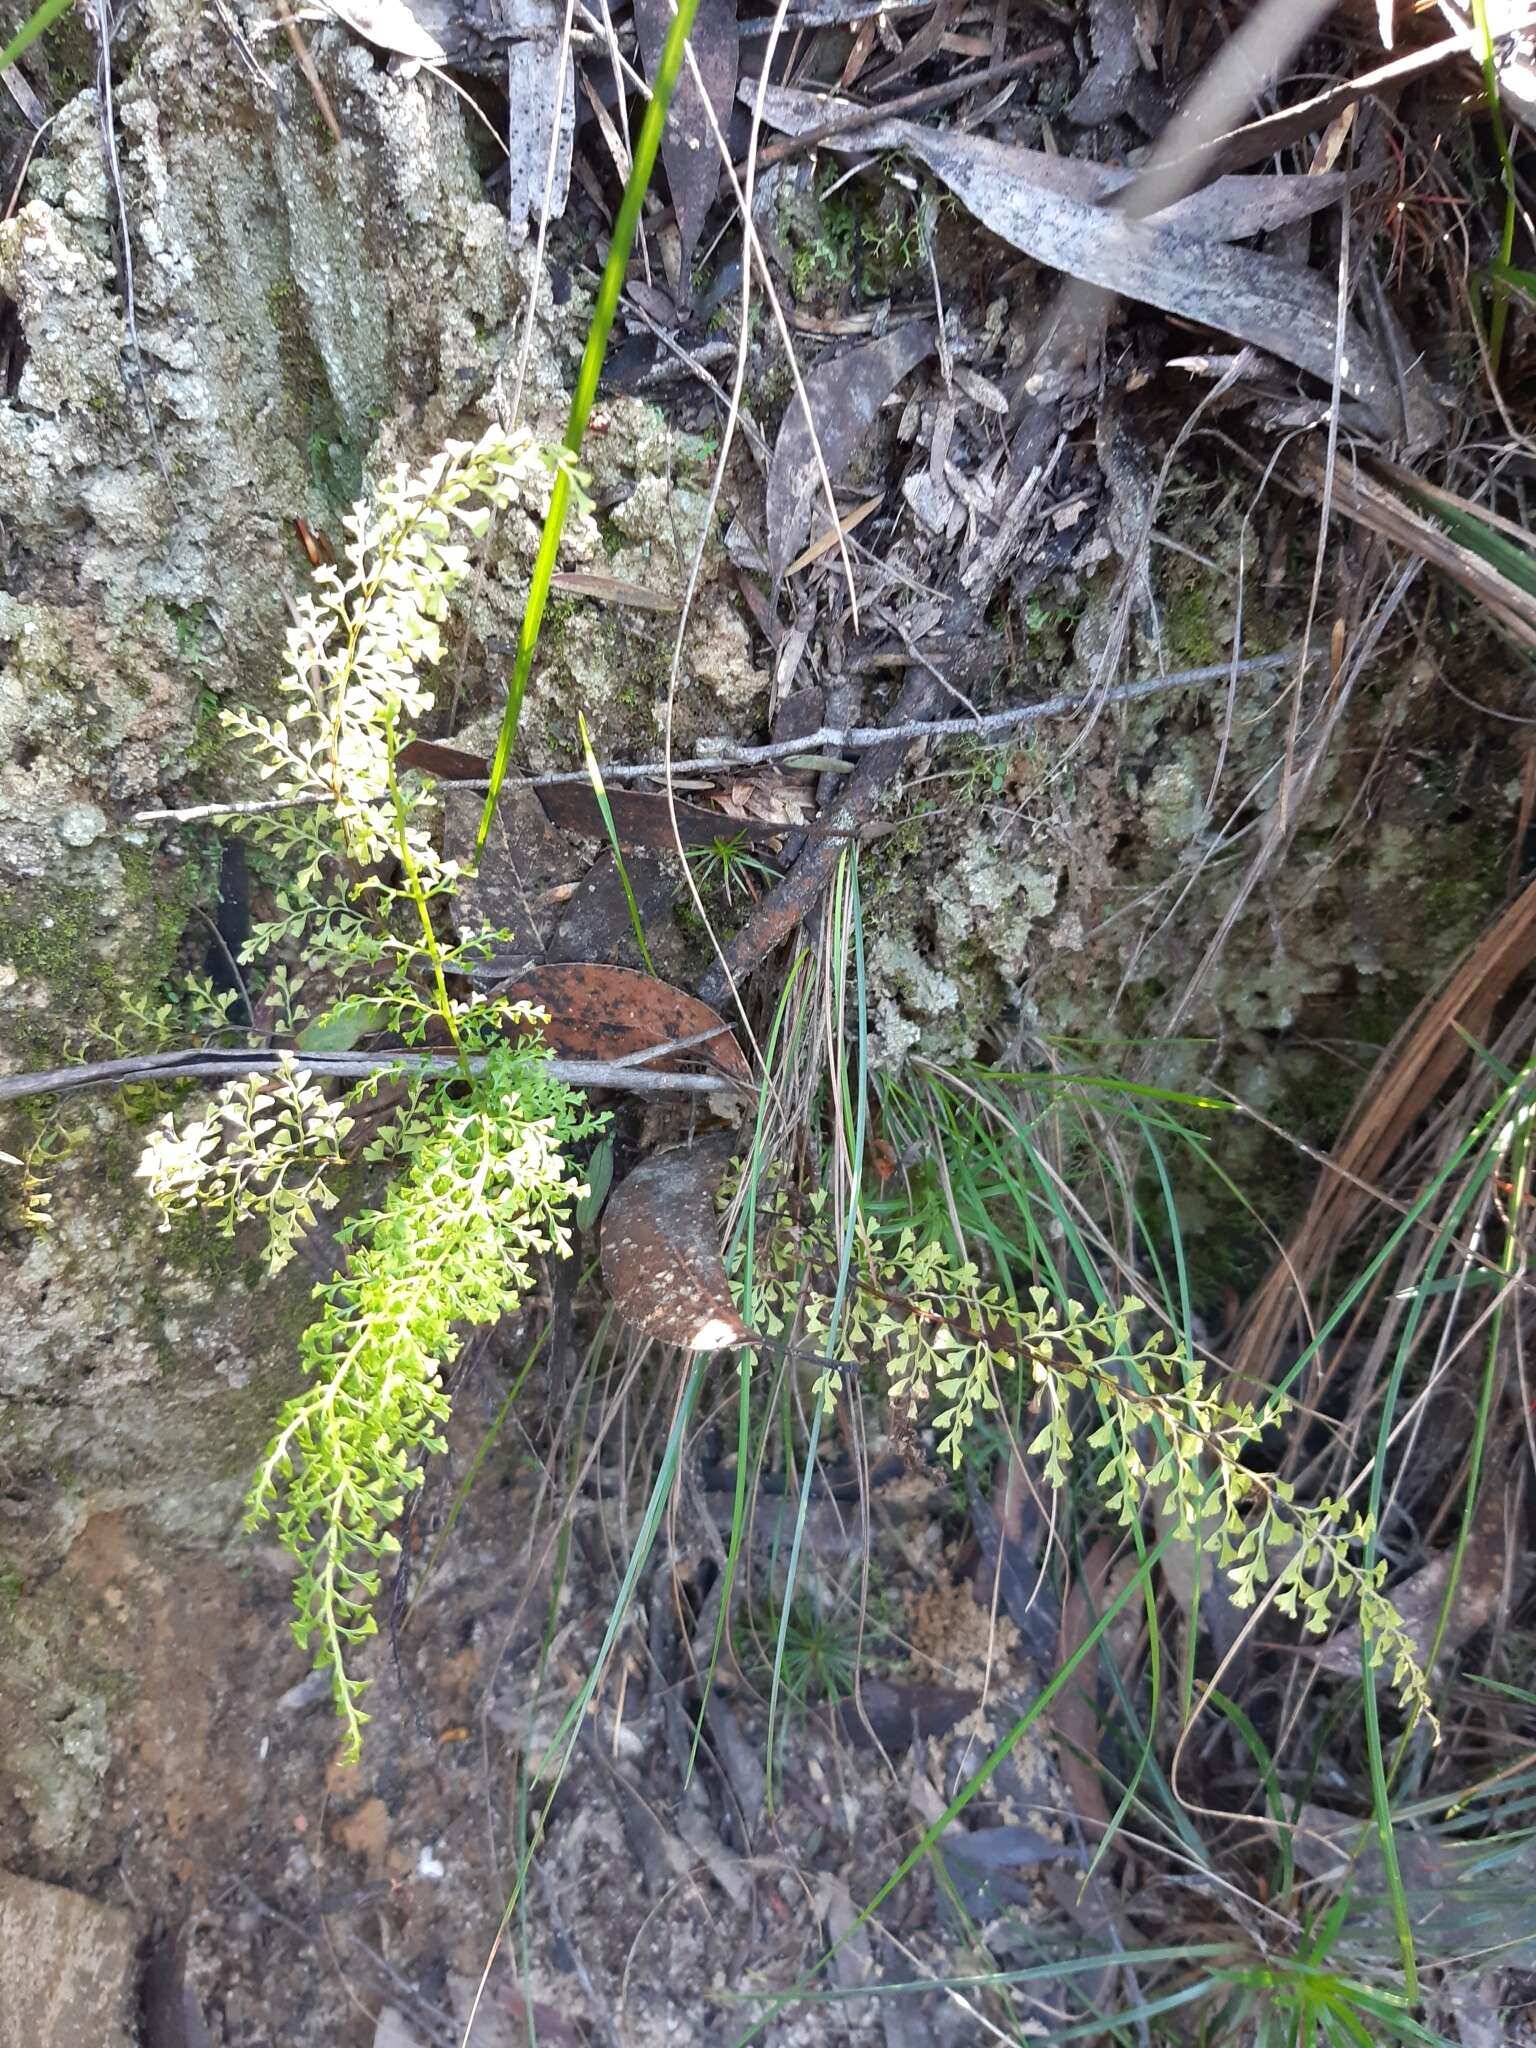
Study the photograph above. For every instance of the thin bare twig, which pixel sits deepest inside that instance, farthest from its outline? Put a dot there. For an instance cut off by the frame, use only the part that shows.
(104, 25)
(307, 65)
(214, 1063)
(851, 119)
(850, 738)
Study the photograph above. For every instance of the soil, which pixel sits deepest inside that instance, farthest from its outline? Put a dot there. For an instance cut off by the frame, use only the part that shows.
(669, 1901)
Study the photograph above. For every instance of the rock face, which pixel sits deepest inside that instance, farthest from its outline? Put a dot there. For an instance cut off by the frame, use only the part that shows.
(302, 313)
(66, 1969)
(299, 311)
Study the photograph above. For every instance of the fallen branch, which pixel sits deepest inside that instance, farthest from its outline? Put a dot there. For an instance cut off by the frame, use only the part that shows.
(994, 725)
(793, 899)
(213, 1063)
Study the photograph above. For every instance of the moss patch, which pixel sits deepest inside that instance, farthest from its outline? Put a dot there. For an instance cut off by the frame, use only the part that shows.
(313, 418)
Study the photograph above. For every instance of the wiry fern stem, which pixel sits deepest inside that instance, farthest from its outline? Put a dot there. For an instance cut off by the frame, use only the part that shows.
(412, 872)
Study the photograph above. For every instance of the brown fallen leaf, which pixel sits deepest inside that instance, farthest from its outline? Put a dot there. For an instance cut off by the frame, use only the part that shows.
(597, 923)
(449, 764)
(844, 395)
(1229, 209)
(1195, 273)
(661, 1249)
(1074, 1712)
(1291, 312)
(897, 1715)
(1122, 77)
(512, 887)
(610, 590)
(688, 148)
(598, 1012)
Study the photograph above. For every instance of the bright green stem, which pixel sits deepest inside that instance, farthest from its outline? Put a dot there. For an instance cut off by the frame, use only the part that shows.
(608, 291)
(418, 896)
(1507, 171)
(599, 790)
(30, 30)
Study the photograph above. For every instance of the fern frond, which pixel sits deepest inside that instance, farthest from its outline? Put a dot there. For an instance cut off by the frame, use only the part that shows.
(946, 1343)
(261, 1148)
(358, 653)
(485, 1192)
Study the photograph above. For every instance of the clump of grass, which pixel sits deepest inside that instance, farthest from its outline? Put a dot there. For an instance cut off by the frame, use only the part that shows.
(815, 1648)
(727, 864)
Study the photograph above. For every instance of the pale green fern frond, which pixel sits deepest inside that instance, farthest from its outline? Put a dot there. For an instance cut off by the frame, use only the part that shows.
(350, 934)
(261, 1148)
(358, 650)
(946, 1344)
(485, 1191)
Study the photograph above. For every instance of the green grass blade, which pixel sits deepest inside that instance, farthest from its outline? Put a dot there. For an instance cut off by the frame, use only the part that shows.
(1513, 562)
(845, 906)
(599, 790)
(609, 290)
(1030, 1973)
(34, 26)
(744, 1461)
(1257, 1748)
(1490, 66)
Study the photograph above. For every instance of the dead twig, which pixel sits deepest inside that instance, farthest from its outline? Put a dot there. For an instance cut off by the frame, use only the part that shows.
(213, 1063)
(104, 27)
(792, 900)
(307, 65)
(923, 102)
(1256, 141)
(840, 738)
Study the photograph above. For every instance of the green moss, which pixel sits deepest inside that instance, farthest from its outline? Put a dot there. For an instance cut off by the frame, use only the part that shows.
(313, 419)
(1189, 627)
(51, 936)
(335, 466)
(190, 623)
(208, 735)
(1462, 884)
(53, 940)
(167, 893)
(861, 236)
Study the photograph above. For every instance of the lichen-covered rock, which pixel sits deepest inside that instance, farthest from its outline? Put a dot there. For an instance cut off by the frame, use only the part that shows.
(300, 313)
(305, 316)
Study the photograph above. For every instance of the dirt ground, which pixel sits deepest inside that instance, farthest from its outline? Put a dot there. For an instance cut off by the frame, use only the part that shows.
(669, 1902)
